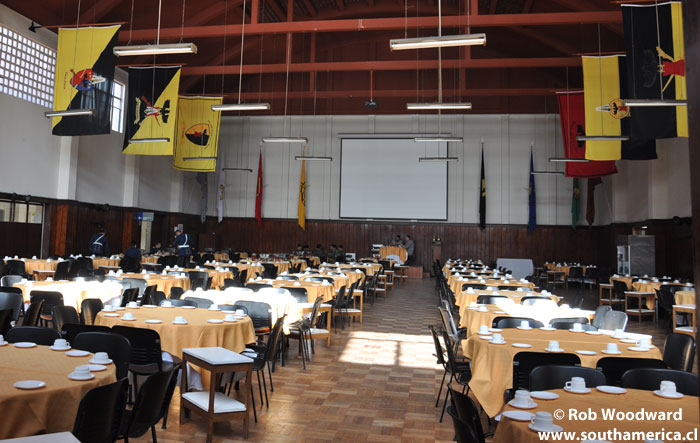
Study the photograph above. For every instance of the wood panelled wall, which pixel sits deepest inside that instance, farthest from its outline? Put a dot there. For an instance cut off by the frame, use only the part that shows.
(20, 239)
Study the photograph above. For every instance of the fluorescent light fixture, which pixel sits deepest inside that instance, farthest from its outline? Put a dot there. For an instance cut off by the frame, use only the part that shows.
(436, 106)
(171, 48)
(639, 103)
(569, 160)
(241, 107)
(442, 41)
(149, 140)
(547, 173)
(439, 139)
(391, 135)
(69, 113)
(438, 159)
(237, 169)
(187, 159)
(313, 158)
(602, 138)
(285, 140)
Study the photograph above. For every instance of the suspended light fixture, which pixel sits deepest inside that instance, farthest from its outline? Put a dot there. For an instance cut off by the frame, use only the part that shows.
(443, 41)
(285, 140)
(555, 173)
(639, 103)
(69, 113)
(188, 159)
(437, 106)
(569, 160)
(313, 158)
(602, 138)
(157, 49)
(439, 139)
(150, 140)
(438, 159)
(237, 169)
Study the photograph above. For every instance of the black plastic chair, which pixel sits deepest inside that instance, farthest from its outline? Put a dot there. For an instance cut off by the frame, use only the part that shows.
(263, 358)
(650, 380)
(199, 279)
(129, 295)
(460, 374)
(257, 286)
(117, 347)
(35, 334)
(64, 314)
(599, 315)
(232, 283)
(31, 317)
(179, 303)
(259, 313)
(100, 412)
(146, 298)
(299, 294)
(12, 300)
(51, 299)
(536, 301)
(233, 308)
(16, 267)
(544, 378)
(614, 320)
(71, 330)
(615, 367)
(89, 309)
(525, 362)
(440, 354)
(467, 412)
(490, 299)
(679, 352)
(176, 293)
(270, 270)
(62, 269)
(464, 429)
(5, 320)
(514, 322)
(200, 302)
(9, 280)
(563, 324)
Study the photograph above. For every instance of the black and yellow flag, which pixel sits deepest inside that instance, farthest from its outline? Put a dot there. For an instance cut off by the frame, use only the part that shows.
(151, 108)
(301, 206)
(656, 67)
(604, 83)
(197, 134)
(84, 78)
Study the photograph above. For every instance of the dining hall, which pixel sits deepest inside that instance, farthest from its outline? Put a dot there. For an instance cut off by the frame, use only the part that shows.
(349, 220)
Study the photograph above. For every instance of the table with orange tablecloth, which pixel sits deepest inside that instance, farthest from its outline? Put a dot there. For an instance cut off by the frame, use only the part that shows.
(456, 284)
(252, 268)
(198, 333)
(685, 297)
(370, 268)
(314, 289)
(104, 261)
(492, 364)
(301, 263)
(472, 319)
(633, 400)
(626, 280)
(338, 280)
(163, 282)
(49, 409)
(32, 264)
(217, 277)
(465, 298)
(386, 251)
(74, 292)
(652, 286)
(218, 256)
(564, 269)
(152, 259)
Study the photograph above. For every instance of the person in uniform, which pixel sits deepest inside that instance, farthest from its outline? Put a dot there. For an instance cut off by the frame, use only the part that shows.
(183, 244)
(157, 248)
(99, 245)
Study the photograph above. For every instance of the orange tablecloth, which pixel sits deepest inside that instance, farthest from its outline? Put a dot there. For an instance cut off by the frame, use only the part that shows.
(217, 277)
(564, 269)
(31, 265)
(633, 401)
(398, 251)
(74, 292)
(163, 281)
(104, 261)
(652, 286)
(48, 409)
(465, 298)
(198, 333)
(685, 297)
(150, 259)
(472, 319)
(456, 284)
(627, 280)
(252, 269)
(218, 256)
(492, 365)
(314, 289)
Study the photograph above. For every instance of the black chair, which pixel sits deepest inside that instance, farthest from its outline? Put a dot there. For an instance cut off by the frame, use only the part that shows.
(544, 378)
(467, 412)
(10, 280)
(535, 300)
(615, 367)
(514, 322)
(525, 362)
(440, 354)
(618, 295)
(64, 314)
(590, 277)
(100, 412)
(490, 299)
(12, 300)
(460, 374)
(200, 302)
(148, 408)
(243, 277)
(129, 295)
(71, 330)
(259, 313)
(263, 357)
(650, 380)
(16, 267)
(299, 294)
(130, 264)
(5, 320)
(199, 279)
(575, 275)
(599, 315)
(614, 320)
(117, 347)
(146, 298)
(62, 269)
(51, 299)
(157, 297)
(89, 309)
(179, 303)
(564, 324)
(302, 331)
(578, 302)
(138, 283)
(232, 283)
(464, 429)
(31, 317)
(679, 352)
(270, 270)
(35, 334)
(176, 293)
(257, 286)
(233, 308)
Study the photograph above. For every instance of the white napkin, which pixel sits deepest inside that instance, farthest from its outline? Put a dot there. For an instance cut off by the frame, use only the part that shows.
(325, 283)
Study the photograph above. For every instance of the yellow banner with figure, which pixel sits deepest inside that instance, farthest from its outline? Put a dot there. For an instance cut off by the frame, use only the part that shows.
(301, 207)
(197, 134)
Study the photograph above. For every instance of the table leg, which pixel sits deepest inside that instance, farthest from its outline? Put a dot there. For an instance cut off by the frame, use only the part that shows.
(183, 387)
(328, 327)
(246, 419)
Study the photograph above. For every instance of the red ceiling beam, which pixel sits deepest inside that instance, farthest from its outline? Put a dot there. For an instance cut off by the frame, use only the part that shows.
(376, 24)
(396, 93)
(396, 65)
(310, 8)
(98, 10)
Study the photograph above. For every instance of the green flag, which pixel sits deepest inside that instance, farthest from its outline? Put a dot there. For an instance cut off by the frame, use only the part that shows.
(575, 204)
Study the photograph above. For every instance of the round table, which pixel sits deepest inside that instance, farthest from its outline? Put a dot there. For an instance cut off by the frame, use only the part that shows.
(104, 261)
(32, 264)
(163, 282)
(465, 298)
(471, 318)
(74, 292)
(48, 409)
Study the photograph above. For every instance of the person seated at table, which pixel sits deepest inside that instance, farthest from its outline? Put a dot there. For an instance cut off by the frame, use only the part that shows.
(307, 251)
(397, 241)
(299, 250)
(98, 244)
(410, 249)
(183, 243)
(157, 248)
(340, 254)
(133, 252)
(330, 255)
(319, 252)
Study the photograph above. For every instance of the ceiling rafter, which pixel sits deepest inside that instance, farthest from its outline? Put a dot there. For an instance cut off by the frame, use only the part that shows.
(98, 10)
(532, 33)
(310, 8)
(384, 93)
(207, 15)
(276, 10)
(341, 4)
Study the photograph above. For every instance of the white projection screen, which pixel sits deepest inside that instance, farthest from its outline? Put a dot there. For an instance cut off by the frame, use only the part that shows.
(383, 179)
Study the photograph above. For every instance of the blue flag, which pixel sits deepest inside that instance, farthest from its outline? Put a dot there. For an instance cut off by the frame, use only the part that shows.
(532, 199)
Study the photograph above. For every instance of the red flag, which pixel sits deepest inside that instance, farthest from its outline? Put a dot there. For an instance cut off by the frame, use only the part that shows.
(572, 116)
(259, 191)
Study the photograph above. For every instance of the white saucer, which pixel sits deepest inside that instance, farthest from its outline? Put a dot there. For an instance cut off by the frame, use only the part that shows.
(486, 337)
(236, 319)
(133, 307)
(497, 343)
(24, 344)
(554, 428)
(547, 328)
(188, 307)
(165, 306)
(518, 415)
(215, 320)
(77, 353)
(149, 306)
(101, 362)
(483, 333)
(605, 351)
(578, 332)
(619, 338)
(127, 319)
(179, 322)
(119, 308)
(154, 321)
(674, 396)
(629, 340)
(553, 350)
(495, 330)
(482, 310)
(521, 345)
(584, 391)
(29, 384)
(512, 403)
(97, 368)
(107, 314)
(4, 343)
(639, 349)
(544, 395)
(213, 310)
(524, 329)
(83, 378)
(584, 352)
(594, 333)
(63, 348)
(611, 389)
(499, 312)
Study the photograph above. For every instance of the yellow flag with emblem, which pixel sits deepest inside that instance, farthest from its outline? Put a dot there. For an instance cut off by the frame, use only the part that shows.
(301, 207)
(197, 134)
(83, 79)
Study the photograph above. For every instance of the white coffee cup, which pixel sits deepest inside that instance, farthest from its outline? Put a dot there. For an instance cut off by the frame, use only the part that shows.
(132, 304)
(645, 342)
(576, 384)
(612, 348)
(230, 317)
(167, 303)
(101, 357)
(553, 345)
(128, 315)
(524, 324)
(2, 339)
(483, 308)
(240, 312)
(542, 420)
(108, 308)
(667, 387)
(180, 319)
(578, 327)
(81, 371)
(483, 329)
(49, 278)
(498, 338)
(60, 343)
(619, 333)
(522, 398)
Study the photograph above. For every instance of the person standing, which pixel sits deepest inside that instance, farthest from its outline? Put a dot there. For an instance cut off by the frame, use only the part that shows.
(183, 244)
(99, 245)
(410, 249)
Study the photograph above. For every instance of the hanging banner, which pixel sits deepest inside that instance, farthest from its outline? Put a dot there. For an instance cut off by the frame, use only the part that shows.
(84, 78)
(197, 134)
(301, 205)
(656, 67)
(151, 108)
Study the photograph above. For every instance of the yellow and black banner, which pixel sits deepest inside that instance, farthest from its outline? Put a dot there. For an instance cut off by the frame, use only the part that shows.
(301, 206)
(604, 83)
(84, 78)
(197, 134)
(151, 109)
(656, 67)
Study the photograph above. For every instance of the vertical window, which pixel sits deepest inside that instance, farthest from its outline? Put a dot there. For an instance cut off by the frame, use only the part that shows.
(27, 68)
(117, 106)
